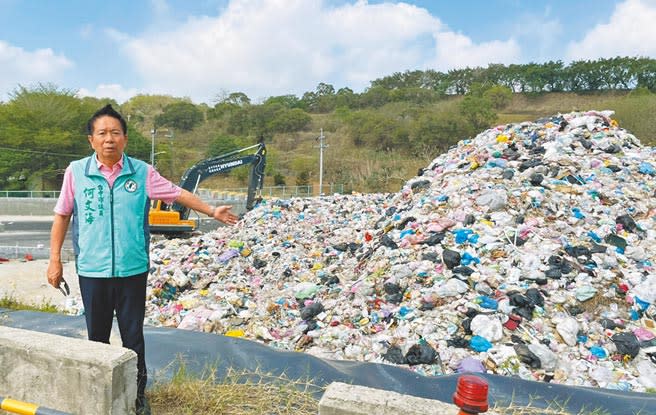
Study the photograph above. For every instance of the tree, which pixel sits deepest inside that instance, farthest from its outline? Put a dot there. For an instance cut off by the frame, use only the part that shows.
(288, 121)
(375, 96)
(222, 144)
(287, 101)
(236, 98)
(142, 109)
(278, 179)
(182, 116)
(345, 98)
(478, 112)
(499, 96)
(434, 132)
(303, 178)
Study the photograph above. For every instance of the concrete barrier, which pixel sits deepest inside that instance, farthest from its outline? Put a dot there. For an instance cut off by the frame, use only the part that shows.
(344, 399)
(37, 206)
(67, 374)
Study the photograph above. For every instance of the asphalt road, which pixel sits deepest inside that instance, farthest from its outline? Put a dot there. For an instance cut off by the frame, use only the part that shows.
(24, 236)
(18, 238)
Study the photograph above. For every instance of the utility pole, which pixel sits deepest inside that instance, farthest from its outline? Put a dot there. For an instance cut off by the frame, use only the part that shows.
(152, 146)
(170, 136)
(321, 147)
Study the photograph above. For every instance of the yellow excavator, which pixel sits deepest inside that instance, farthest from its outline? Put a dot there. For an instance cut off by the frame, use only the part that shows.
(173, 220)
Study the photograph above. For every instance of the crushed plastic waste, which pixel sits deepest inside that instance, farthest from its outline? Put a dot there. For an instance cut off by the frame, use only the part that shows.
(526, 251)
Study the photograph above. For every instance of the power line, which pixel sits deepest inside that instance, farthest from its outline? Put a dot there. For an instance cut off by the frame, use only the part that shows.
(46, 153)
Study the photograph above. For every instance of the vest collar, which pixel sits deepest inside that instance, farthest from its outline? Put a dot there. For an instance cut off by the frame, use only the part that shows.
(91, 168)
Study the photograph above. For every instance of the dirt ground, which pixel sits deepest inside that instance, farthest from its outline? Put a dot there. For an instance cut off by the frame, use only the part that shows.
(26, 282)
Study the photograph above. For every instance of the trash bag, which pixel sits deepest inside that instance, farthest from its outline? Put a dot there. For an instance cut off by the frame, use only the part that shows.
(457, 341)
(553, 273)
(626, 343)
(479, 344)
(615, 240)
(469, 220)
(388, 242)
(527, 356)
(451, 258)
(471, 365)
(259, 263)
(627, 223)
(517, 299)
(421, 353)
(394, 355)
(391, 288)
(578, 251)
(434, 238)
(610, 324)
(420, 185)
(341, 247)
(536, 179)
(463, 270)
(430, 256)
(402, 224)
(534, 296)
(395, 298)
(311, 311)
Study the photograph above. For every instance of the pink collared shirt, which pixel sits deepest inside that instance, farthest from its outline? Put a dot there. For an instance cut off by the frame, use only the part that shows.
(157, 187)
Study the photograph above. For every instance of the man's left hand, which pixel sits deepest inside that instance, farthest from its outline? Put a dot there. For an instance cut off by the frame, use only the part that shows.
(223, 214)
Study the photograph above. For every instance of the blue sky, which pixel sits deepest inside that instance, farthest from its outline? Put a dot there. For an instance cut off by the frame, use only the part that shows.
(204, 49)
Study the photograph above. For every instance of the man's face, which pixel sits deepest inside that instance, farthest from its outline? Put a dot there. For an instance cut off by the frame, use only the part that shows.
(108, 140)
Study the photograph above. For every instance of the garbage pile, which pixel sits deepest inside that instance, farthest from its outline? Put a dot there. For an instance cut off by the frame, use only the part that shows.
(527, 251)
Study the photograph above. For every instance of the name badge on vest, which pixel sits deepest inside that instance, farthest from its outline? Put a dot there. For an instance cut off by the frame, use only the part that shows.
(131, 186)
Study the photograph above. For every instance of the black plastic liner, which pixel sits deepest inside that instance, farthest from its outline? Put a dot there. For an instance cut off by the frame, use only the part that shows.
(166, 348)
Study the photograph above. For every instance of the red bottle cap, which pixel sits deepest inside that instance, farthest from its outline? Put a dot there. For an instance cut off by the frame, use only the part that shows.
(471, 394)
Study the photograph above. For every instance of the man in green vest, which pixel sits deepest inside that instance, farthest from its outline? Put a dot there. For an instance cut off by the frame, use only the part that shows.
(108, 195)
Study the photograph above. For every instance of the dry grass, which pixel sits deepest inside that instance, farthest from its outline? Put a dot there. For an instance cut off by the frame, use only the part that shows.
(553, 408)
(238, 393)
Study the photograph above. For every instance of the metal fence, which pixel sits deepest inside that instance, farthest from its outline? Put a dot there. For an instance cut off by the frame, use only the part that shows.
(234, 193)
(281, 192)
(31, 194)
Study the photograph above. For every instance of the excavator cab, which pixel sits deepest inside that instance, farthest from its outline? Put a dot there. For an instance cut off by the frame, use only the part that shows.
(173, 220)
(168, 222)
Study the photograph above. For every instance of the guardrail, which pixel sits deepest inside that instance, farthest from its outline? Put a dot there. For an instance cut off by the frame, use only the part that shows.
(24, 408)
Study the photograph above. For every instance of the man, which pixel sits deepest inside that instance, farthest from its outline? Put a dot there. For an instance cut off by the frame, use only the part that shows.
(107, 194)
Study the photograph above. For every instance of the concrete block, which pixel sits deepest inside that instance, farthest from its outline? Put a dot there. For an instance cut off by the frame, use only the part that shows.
(344, 399)
(67, 374)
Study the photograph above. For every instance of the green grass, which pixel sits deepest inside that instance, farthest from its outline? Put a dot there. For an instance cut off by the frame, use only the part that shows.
(11, 303)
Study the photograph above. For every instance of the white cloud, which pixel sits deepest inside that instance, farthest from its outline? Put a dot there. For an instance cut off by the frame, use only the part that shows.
(18, 66)
(629, 32)
(114, 91)
(160, 6)
(455, 50)
(272, 47)
(540, 36)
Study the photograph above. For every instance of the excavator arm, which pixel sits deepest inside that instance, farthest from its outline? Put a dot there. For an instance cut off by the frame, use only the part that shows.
(175, 219)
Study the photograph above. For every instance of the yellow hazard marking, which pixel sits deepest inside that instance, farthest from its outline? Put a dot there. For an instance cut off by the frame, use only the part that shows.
(18, 407)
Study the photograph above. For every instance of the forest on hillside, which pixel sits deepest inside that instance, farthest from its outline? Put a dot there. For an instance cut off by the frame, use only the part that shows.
(376, 139)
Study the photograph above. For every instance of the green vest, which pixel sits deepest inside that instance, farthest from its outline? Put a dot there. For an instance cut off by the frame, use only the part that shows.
(110, 226)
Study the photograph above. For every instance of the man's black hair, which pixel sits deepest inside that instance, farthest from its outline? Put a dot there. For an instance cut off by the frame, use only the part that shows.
(106, 111)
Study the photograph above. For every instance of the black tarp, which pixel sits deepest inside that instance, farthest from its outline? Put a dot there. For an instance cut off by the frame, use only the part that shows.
(166, 348)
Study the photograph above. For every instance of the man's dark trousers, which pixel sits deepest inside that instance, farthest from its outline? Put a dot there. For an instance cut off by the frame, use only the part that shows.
(127, 296)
